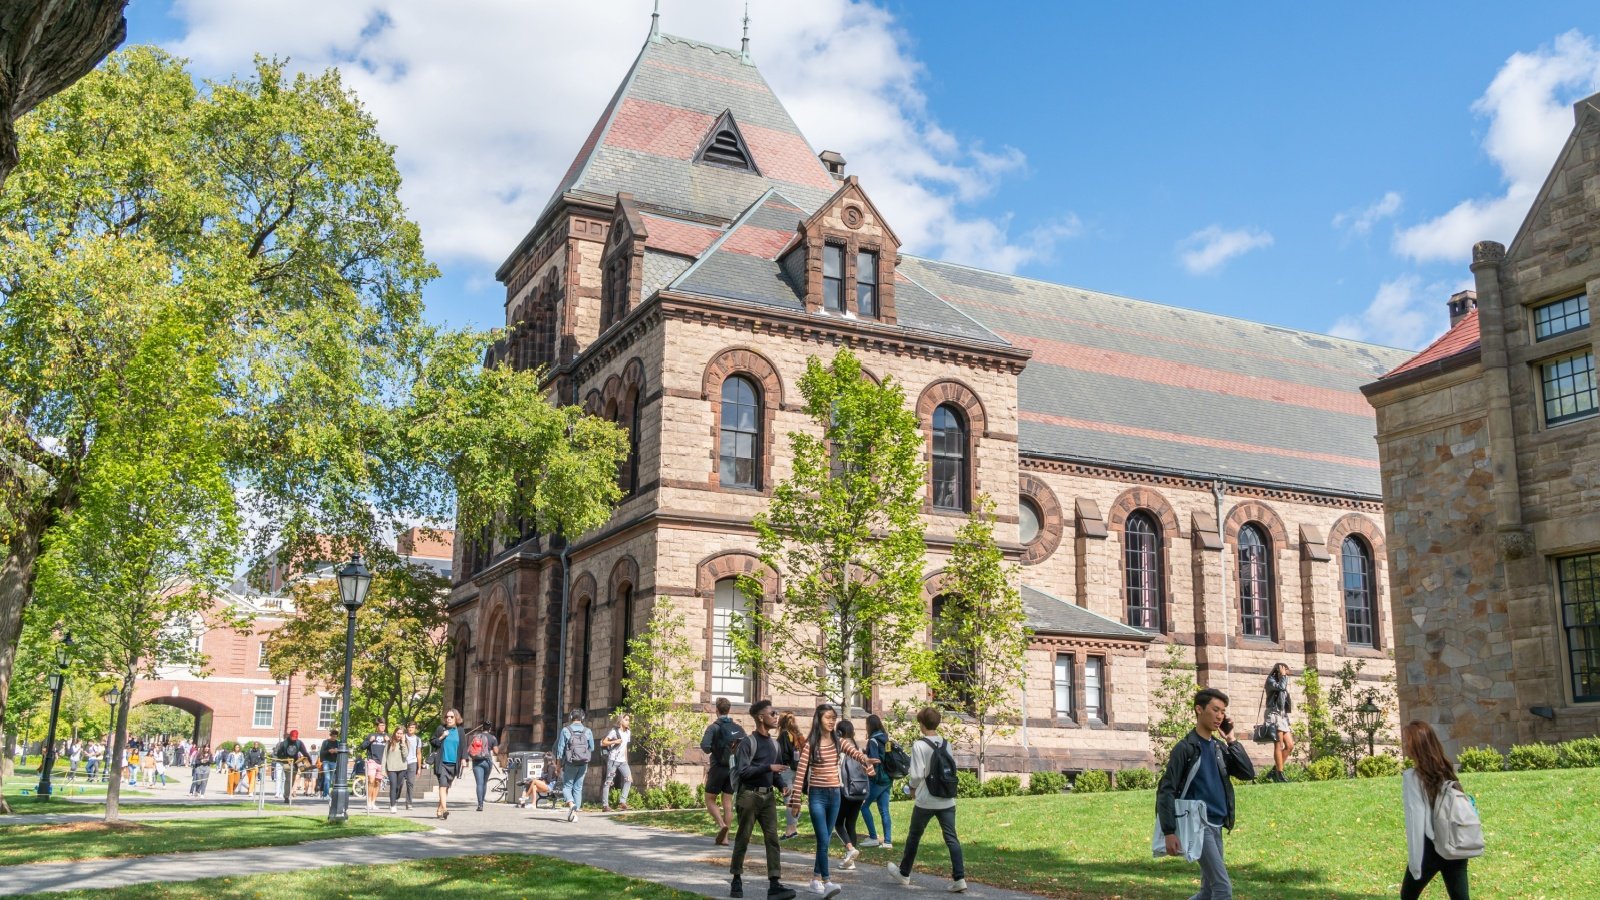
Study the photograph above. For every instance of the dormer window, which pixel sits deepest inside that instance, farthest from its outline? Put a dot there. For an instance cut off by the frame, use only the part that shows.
(867, 284)
(725, 146)
(833, 277)
(844, 259)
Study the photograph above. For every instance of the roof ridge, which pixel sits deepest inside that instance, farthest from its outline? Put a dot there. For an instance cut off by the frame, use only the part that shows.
(703, 45)
(1156, 303)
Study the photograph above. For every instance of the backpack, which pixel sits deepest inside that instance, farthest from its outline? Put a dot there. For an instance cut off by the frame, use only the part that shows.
(1457, 830)
(896, 761)
(941, 781)
(725, 742)
(479, 748)
(852, 778)
(579, 747)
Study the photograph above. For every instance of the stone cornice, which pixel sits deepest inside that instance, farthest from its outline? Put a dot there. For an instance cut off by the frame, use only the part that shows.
(1195, 482)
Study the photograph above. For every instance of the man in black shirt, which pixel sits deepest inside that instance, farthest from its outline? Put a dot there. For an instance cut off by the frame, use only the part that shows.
(755, 769)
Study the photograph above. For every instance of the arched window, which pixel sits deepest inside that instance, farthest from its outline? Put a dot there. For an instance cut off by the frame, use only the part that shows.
(741, 433)
(1028, 520)
(1255, 582)
(585, 654)
(623, 630)
(949, 459)
(633, 441)
(458, 698)
(1359, 618)
(1141, 570)
(728, 678)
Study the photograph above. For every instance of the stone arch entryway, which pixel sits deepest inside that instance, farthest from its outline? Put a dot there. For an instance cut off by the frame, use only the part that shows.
(203, 714)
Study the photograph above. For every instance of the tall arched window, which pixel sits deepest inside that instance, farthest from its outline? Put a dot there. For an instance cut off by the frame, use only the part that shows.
(949, 459)
(623, 630)
(741, 433)
(585, 655)
(1255, 582)
(1359, 618)
(633, 441)
(728, 678)
(1141, 570)
(458, 697)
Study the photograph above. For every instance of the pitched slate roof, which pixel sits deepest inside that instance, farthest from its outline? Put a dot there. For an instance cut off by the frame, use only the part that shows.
(1462, 337)
(1048, 614)
(1124, 381)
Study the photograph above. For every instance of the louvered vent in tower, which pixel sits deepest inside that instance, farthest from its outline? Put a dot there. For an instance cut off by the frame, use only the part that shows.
(725, 146)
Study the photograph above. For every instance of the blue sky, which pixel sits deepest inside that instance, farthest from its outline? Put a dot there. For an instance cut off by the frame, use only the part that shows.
(1324, 167)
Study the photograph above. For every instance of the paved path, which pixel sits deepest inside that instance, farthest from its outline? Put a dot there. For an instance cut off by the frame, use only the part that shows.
(682, 861)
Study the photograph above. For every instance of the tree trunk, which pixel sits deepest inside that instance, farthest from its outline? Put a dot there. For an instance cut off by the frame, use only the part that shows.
(16, 589)
(119, 740)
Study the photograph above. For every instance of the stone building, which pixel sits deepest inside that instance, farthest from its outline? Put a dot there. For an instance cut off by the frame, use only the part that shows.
(1162, 475)
(1490, 446)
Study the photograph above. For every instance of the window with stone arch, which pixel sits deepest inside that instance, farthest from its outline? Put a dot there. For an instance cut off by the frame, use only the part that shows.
(1141, 570)
(463, 650)
(1360, 615)
(622, 612)
(585, 651)
(955, 672)
(949, 458)
(728, 678)
(740, 444)
(1255, 582)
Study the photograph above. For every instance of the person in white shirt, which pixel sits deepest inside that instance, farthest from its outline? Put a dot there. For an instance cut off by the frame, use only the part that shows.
(1420, 786)
(615, 743)
(928, 806)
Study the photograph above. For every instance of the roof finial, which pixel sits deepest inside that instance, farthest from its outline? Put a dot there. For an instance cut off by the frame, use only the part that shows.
(655, 22)
(744, 45)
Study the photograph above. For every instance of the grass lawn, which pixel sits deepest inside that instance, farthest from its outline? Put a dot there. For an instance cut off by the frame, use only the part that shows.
(1337, 839)
(473, 877)
(21, 844)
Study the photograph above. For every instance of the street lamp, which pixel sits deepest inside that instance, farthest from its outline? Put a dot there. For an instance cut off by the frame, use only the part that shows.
(1368, 717)
(354, 579)
(56, 680)
(112, 696)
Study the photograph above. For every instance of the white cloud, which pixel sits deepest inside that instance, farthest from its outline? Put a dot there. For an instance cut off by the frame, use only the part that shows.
(1206, 250)
(1529, 107)
(1404, 313)
(1360, 221)
(487, 102)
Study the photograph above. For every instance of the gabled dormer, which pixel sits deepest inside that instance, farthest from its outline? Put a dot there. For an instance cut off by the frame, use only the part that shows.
(724, 145)
(622, 262)
(845, 256)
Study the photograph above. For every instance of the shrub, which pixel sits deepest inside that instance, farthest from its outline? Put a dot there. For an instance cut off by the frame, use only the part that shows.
(897, 791)
(1524, 757)
(1003, 786)
(1380, 766)
(700, 795)
(1135, 780)
(1327, 768)
(967, 784)
(1091, 781)
(1047, 783)
(1296, 773)
(1480, 759)
(1583, 753)
(678, 795)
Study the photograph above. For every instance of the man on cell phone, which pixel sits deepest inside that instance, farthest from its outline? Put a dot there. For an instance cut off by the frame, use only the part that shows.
(1218, 755)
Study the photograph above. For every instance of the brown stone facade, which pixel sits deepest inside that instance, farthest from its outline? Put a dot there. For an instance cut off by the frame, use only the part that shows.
(1487, 493)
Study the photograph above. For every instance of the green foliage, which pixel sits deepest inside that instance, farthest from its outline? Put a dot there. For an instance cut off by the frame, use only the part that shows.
(1135, 779)
(1327, 768)
(1091, 781)
(658, 671)
(1582, 753)
(1480, 759)
(980, 641)
(1321, 738)
(1173, 704)
(1002, 786)
(1345, 694)
(1526, 757)
(1380, 766)
(1296, 773)
(158, 719)
(967, 784)
(844, 535)
(1040, 783)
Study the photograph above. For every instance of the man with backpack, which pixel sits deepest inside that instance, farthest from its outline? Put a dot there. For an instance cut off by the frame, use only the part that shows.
(1198, 769)
(288, 753)
(933, 778)
(574, 747)
(720, 737)
(757, 764)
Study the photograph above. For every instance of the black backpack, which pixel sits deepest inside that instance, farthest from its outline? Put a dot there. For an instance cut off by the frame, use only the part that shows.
(941, 781)
(896, 761)
(725, 742)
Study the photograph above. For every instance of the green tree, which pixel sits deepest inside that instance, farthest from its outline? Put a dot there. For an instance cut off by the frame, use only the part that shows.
(1321, 738)
(980, 639)
(845, 536)
(158, 719)
(658, 673)
(1172, 705)
(1345, 695)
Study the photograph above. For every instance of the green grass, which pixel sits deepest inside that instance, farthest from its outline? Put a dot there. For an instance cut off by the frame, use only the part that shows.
(473, 877)
(20, 844)
(1339, 839)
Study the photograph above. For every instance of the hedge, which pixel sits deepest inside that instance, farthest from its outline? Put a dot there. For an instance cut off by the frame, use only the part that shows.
(1327, 768)
(1480, 759)
(1377, 766)
(1135, 780)
(1047, 783)
(1091, 781)
(1527, 757)
(1002, 786)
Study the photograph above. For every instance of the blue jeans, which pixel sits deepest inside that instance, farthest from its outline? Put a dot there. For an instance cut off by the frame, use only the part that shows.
(1214, 881)
(572, 783)
(878, 797)
(825, 804)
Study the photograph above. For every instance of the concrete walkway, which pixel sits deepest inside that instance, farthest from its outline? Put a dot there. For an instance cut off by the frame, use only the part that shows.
(682, 861)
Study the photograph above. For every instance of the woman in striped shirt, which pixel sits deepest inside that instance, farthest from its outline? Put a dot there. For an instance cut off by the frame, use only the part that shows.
(818, 778)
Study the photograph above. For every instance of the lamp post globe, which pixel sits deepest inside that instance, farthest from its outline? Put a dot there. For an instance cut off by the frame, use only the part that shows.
(354, 579)
(1369, 716)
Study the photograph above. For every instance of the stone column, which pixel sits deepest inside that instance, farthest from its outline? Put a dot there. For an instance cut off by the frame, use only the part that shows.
(1210, 607)
(1487, 257)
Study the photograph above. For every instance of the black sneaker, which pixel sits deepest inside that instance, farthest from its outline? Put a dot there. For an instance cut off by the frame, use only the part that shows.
(780, 892)
(737, 888)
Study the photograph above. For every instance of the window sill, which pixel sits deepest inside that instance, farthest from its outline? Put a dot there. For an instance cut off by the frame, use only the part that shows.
(1571, 420)
(1361, 652)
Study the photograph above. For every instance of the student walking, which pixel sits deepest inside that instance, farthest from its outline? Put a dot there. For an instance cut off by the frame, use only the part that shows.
(818, 780)
(933, 779)
(1431, 774)
(290, 752)
(853, 786)
(235, 769)
(616, 746)
(253, 758)
(878, 794)
(396, 756)
(446, 744)
(1279, 705)
(414, 757)
(374, 746)
(328, 764)
(480, 752)
(719, 739)
(1211, 752)
(574, 747)
(200, 772)
(757, 764)
(790, 744)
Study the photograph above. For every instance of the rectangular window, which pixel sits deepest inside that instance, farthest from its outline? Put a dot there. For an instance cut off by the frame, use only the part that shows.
(327, 712)
(263, 716)
(1094, 688)
(261, 655)
(833, 277)
(1569, 390)
(1560, 317)
(867, 284)
(728, 678)
(1063, 681)
(1580, 614)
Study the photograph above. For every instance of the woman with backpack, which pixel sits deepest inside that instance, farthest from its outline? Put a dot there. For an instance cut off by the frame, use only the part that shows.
(447, 753)
(853, 786)
(1431, 776)
(878, 794)
(791, 743)
(1279, 704)
(480, 755)
(818, 779)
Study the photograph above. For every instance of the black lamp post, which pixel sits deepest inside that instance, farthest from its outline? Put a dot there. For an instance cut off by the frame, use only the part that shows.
(112, 696)
(354, 579)
(57, 680)
(1368, 717)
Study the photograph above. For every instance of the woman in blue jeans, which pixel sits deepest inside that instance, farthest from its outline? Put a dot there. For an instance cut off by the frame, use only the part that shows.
(881, 789)
(818, 779)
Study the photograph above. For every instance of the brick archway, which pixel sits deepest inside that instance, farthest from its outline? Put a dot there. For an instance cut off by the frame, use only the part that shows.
(1052, 520)
(709, 571)
(1261, 514)
(743, 361)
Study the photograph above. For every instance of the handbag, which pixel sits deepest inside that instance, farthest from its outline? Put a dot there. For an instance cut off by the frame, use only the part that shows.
(1191, 821)
(1264, 733)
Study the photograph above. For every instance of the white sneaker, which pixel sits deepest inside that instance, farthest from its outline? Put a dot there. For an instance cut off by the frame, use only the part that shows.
(850, 857)
(849, 865)
(894, 872)
(829, 889)
(871, 842)
(572, 813)
(815, 886)
(886, 845)
(959, 886)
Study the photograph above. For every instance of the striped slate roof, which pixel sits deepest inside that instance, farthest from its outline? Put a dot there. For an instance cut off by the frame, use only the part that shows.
(1049, 614)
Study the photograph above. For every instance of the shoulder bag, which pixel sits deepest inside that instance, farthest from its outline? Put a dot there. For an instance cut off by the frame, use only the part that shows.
(1191, 820)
